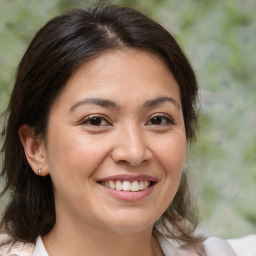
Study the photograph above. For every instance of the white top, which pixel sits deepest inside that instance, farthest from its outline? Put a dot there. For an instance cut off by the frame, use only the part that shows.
(214, 246)
(244, 246)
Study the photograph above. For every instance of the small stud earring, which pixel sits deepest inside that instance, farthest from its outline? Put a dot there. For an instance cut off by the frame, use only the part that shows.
(39, 171)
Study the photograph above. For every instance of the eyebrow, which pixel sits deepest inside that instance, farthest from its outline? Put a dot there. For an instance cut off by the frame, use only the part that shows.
(111, 104)
(100, 102)
(157, 101)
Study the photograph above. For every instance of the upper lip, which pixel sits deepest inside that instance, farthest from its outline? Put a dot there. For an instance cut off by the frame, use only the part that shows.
(127, 177)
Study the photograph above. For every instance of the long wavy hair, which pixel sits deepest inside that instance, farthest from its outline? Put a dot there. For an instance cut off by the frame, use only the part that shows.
(55, 52)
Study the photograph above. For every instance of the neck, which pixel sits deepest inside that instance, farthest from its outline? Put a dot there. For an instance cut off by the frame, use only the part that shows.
(94, 241)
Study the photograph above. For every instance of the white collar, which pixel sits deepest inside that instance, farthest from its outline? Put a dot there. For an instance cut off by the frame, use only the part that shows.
(167, 248)
(39, 249)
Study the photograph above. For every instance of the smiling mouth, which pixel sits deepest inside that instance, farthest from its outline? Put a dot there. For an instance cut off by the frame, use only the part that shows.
(128, 186)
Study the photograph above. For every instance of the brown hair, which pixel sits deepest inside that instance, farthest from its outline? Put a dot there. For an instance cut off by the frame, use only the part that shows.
(56, 51)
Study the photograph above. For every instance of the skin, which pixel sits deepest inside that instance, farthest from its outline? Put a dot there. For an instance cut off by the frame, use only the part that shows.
(141, 132)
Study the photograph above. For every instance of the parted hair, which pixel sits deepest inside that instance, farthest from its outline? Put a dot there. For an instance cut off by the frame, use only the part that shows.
(56, 51)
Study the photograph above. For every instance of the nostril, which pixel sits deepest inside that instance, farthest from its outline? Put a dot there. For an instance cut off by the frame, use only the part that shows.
(123, 162)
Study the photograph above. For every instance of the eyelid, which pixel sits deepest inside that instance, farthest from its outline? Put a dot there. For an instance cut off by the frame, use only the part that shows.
(89, 117)
(167, 116)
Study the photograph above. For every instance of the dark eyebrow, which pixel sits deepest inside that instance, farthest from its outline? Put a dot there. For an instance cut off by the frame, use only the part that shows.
(101, 102)
(154, 102)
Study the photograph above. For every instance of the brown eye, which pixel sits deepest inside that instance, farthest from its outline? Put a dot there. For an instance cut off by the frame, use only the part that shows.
(95, 121)
(157, 120)
(160, 120)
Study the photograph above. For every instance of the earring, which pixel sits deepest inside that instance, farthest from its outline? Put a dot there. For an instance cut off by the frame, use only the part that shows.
(39, 171)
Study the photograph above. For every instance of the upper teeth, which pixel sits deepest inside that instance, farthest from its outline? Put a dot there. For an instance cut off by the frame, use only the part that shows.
(126, 185)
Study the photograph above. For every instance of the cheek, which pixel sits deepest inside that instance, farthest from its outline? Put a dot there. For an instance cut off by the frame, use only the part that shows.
(170, 156)
(172, 152)
(73, 152)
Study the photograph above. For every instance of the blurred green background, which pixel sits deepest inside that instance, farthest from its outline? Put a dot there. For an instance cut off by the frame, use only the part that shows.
(219, 37)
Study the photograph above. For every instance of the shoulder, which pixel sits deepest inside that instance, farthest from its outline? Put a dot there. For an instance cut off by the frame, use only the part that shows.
(244, 246)
(16, 249)
(171, 246)
(212, 246)
(216, 245)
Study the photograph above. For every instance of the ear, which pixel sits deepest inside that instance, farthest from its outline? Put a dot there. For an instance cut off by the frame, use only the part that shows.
(35, 150)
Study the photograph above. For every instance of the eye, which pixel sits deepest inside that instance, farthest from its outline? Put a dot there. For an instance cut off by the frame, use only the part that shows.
(95, 120)
(160, 120)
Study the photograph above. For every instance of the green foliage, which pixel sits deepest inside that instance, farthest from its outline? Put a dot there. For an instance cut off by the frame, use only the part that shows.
(219, 38)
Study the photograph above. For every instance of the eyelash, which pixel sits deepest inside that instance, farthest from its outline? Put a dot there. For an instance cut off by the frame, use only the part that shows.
(99, 118)
(168, 120)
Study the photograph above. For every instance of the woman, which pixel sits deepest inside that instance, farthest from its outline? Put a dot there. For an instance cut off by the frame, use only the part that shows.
(102, 111)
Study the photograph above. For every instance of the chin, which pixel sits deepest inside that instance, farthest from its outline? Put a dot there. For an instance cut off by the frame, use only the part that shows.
(132, 224)
(131, 229)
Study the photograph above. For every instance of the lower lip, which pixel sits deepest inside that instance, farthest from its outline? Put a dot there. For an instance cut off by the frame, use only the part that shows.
(127, 195)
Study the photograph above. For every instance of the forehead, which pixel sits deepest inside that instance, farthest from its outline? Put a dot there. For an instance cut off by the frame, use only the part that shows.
(121, 74)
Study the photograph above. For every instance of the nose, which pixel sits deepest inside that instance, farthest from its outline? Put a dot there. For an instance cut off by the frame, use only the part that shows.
(131, 147)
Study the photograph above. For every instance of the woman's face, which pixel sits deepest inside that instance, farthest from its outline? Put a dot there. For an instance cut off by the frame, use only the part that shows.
(116, 143)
